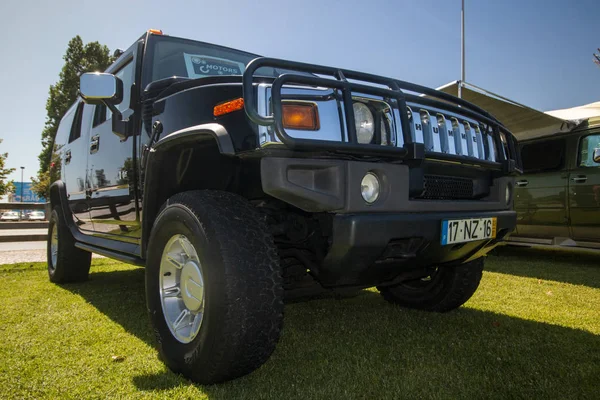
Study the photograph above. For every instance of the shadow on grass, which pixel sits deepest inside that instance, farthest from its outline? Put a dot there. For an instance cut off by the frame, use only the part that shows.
(365, 348)
(568, 266)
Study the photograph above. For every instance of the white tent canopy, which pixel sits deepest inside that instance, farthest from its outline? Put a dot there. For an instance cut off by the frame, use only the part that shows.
(524, 122)
(577, 113)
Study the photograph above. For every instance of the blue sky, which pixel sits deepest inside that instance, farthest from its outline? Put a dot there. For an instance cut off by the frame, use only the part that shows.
(537, 52)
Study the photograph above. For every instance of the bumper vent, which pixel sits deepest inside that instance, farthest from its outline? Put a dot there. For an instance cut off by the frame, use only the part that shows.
(439, 187)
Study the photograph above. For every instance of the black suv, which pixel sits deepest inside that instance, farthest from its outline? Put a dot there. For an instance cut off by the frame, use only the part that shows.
(236, 180)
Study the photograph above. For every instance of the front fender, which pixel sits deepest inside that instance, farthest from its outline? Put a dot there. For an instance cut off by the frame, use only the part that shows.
(154, 191)
(196, 133)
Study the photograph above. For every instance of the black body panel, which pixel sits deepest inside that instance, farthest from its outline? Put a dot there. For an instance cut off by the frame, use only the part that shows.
(316, 185)
(368, 249)
(194, 104)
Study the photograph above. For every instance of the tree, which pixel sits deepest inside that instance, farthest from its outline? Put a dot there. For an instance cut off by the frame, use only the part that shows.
(79, 58)
(5, 187)
(41, 184)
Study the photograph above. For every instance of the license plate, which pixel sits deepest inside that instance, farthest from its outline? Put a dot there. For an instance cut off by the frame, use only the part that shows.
(468, 230)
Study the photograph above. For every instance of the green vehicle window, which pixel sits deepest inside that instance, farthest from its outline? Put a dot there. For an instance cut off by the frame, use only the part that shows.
(586, 150)
(544, 156)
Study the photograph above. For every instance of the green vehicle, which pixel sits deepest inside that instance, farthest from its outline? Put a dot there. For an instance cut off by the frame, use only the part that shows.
(557, 199)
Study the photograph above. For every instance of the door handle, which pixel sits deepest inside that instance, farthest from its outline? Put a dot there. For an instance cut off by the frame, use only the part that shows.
(522, 183)
(579, 179)
(68, 157)
(94, 144)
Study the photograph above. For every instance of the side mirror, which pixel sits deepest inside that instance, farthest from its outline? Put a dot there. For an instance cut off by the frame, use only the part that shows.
(103, 88)
(96, 88)
(597, 155)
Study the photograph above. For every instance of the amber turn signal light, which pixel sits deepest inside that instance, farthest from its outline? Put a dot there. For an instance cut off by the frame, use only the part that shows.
(304, 116)
(228, 107)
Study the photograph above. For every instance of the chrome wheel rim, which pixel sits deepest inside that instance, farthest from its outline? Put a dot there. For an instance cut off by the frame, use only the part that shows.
(53, 246)
(182, 293)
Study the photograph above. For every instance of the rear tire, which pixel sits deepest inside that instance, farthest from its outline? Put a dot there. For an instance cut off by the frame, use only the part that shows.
(446, 289)
(224, 318)
(66, 263)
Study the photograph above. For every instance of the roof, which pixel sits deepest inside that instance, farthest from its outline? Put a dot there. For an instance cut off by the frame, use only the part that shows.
(524, 122)
(586, 111)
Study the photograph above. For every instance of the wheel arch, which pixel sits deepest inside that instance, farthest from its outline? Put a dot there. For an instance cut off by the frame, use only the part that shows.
(174, 163)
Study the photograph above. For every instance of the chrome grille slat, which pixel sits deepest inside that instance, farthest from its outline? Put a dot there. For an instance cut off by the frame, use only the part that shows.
(460, 137)
(398, 125)
(479, 139)
(443, 133)
(431, 132)
(449, 135)
(416, 127)
(491, 153)
(471, 145)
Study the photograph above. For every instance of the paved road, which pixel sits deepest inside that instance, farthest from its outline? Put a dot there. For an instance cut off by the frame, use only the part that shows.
(20, 246)
(15, 232)
(15, 252)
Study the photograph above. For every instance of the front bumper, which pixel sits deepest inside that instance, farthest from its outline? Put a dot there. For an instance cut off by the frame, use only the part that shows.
(373, 248)
(373, 243)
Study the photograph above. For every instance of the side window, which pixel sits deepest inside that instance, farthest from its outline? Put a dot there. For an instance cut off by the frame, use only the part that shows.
(586, 150)
(545, 156)
(75, 132)
(125, 74)
(100, 112)
(64, 128)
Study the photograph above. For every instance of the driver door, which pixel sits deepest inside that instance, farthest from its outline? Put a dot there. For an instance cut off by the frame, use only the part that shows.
(584, 190)
(110, 167)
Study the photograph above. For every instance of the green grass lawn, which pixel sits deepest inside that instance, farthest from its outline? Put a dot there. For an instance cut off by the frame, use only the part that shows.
(531, 331)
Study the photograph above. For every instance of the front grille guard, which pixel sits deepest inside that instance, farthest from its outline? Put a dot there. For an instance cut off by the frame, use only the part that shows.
(508, 157)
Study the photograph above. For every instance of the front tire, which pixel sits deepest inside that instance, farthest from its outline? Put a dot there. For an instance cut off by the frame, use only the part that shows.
(444, 290)
(66, 263)
(213, 286)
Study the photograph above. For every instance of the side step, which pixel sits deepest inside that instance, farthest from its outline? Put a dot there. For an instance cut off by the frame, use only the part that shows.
(126, 258)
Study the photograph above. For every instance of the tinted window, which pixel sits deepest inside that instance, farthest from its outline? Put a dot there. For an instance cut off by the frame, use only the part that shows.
(586, 150)
(64, 128)
(543, 156)
(171, 56)
(99, 114)
(75, 132)
(126, 74)
(195, 60)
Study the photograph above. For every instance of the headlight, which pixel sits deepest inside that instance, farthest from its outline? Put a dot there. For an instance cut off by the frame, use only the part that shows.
(365, 123)
(370, 187)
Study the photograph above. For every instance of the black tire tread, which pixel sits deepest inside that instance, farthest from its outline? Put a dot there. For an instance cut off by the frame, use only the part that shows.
(459, 284)
(253, 316)
(72, 264)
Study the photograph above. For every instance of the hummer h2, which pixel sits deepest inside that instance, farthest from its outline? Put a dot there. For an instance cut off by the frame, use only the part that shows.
(236, 179)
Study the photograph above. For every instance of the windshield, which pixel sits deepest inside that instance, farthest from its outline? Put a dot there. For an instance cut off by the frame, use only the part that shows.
(169, 56)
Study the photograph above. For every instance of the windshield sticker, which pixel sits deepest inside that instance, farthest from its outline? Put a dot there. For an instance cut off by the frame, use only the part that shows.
(199, 66)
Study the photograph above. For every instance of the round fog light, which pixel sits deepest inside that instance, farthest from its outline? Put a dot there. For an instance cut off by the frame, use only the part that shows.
(369, 187)
(508, 194)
